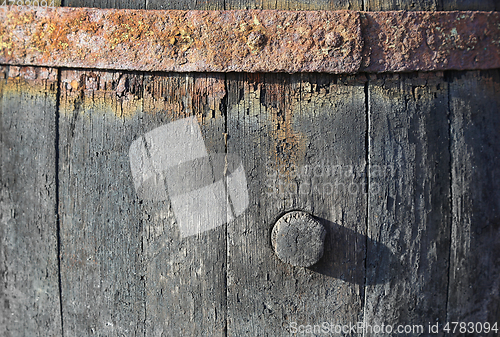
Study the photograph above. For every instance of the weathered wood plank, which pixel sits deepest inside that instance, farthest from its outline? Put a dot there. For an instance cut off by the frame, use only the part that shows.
(302, 140)
(431, 5)
(125, 268)
(469, 5)
(475, 255)
(29, 286)
(369, 5)
(182, 284)
(132, 4)
(101, 228)
(295, 4)
(185, 277)
(182, 280)
(186, 4)
(410, 5)
(148, 4)
(409, 200)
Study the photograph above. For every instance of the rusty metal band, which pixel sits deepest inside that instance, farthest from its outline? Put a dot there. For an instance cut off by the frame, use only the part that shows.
(249, 40)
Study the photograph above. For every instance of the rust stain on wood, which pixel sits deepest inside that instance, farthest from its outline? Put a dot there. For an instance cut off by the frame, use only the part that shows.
(289, 144)
(176, 94)
(32, 80)
(124, 95)
(270, 108)
(209, 91)
(117, 93)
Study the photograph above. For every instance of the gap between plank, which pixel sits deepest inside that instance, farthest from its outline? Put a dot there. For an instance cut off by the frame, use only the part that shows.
(367, 161)
(225, 111)
(448, 79)
(56, 178)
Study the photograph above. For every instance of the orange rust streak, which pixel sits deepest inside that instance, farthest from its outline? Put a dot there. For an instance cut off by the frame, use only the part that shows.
(183, 41)
(249, 40)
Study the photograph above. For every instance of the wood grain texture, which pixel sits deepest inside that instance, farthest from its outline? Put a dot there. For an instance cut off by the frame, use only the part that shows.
(175, 286)
(186, 4)
(125, 270)
(101, 228)
(185, 277)
(369, 5)
(131, 4)
(409, 200)
(475, 149)
(295, 4)
(430, 5)
(470, 5)
(29, 287)
(302, 140)
(409, 5)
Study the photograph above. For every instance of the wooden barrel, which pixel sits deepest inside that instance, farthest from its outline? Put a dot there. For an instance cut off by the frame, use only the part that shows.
(402, 171)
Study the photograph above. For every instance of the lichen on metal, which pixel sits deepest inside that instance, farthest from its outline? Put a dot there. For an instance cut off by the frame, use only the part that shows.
(249, 40)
